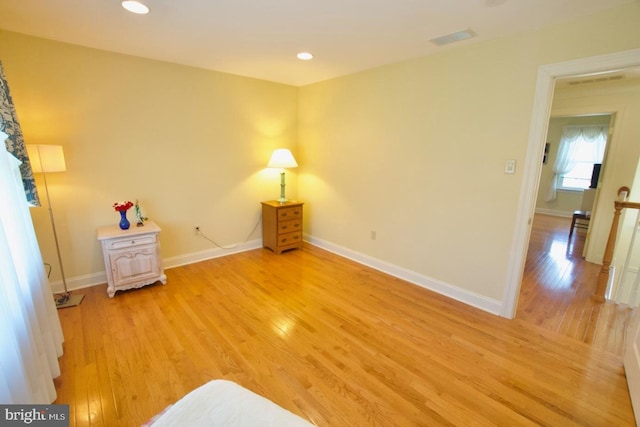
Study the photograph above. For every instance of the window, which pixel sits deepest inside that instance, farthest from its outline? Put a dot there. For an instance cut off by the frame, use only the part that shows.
(580, 148)
(584, 157)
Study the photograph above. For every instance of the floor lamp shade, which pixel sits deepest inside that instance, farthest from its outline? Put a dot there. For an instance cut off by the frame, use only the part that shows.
(46, 158)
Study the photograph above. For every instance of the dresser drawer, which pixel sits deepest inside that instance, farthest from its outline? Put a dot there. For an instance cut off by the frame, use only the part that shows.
(282, 224)
(285, 214)
(289, 226)
(290, 238)
(131, 241)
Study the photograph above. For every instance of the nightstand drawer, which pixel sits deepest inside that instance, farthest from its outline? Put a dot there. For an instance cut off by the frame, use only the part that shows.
(290, 238)
(289, 226)
(285, 214)
(131, 241)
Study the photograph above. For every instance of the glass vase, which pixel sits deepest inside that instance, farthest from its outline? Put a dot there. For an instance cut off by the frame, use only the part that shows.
(124, 222)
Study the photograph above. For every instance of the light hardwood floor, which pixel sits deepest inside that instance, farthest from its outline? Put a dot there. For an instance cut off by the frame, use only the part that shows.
(339, 344)
(557, 286)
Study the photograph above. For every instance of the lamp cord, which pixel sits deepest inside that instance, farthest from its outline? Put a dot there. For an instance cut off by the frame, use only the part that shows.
(204, 236)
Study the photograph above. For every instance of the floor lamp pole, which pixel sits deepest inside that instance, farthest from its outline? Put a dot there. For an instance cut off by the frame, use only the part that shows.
(55, 238)
(66, 300)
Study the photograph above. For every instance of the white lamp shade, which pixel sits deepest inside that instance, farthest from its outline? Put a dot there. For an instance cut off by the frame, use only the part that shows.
(46, 158)
(282, 158)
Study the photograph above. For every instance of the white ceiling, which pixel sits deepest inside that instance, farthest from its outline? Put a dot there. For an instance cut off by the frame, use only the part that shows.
(260, 38)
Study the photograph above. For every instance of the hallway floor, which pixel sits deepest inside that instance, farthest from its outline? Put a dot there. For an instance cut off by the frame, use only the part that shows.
(557, 286)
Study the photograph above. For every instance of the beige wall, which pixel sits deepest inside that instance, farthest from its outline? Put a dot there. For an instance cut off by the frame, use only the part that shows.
(416, 151)
(190, 144)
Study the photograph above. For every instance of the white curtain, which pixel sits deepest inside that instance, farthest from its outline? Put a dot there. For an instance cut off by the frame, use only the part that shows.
(30, 331)
(596, 136)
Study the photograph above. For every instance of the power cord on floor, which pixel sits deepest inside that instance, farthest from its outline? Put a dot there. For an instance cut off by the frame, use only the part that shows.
(59, 297)
(204, 236)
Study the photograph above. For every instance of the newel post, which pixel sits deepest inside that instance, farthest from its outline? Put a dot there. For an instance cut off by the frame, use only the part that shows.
(603, 276)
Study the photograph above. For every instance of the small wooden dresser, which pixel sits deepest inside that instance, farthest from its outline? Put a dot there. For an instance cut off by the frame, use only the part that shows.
(281, 225)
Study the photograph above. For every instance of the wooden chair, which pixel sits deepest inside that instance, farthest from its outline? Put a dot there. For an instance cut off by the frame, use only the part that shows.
(580, 219)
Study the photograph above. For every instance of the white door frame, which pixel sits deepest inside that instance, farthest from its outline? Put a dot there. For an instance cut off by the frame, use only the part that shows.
(547, 74)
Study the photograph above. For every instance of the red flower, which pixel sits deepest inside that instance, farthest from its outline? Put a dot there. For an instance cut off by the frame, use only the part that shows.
(122, 206)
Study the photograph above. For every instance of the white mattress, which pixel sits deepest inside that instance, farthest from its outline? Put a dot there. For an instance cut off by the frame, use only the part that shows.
(225, 403)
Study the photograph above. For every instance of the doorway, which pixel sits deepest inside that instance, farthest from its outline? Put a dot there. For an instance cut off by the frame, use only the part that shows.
(547, 76)
(577, 143)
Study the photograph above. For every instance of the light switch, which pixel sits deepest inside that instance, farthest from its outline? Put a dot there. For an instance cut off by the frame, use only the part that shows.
(510, 166)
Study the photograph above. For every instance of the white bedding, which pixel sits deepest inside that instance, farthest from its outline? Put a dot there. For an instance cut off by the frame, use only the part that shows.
(225, 403)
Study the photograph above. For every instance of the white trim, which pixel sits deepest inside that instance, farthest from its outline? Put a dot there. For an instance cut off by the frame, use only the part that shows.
(100, 278)
(535, 148)
(79, 282)
(553, 212)
(448, 290)
(631, 361)
(181, 260)
(454, 292)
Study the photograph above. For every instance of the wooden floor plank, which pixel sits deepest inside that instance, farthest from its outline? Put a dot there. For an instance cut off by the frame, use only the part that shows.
(344, 345)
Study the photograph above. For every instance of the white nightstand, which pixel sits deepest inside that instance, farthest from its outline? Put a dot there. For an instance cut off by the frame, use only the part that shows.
(131, 257)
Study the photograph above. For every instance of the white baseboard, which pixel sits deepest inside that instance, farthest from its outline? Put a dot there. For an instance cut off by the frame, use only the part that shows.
(100, 278)
(470, 298)
(192, 258)
(79, 282)
(454, 292)
(553, 212)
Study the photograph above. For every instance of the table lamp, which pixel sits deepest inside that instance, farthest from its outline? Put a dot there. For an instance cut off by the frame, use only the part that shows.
(282, 159)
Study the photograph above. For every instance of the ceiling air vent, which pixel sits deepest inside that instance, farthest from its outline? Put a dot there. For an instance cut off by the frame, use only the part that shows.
(602, 79)
(453, 37)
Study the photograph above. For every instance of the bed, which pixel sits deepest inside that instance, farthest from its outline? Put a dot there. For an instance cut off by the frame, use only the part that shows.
(225, 403)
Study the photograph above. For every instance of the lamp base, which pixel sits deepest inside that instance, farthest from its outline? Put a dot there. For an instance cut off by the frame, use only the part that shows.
(69, 301)
(283, 200)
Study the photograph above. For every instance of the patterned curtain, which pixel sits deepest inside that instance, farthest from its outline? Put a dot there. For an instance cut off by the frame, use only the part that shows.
(15, 143)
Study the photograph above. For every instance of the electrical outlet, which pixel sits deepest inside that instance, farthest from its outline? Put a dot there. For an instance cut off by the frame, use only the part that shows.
(196, 230)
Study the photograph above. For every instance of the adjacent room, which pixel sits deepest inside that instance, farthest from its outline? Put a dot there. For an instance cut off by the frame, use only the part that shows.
(379, 233)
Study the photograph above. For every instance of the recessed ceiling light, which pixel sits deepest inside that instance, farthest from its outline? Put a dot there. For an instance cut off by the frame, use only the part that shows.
(135, 7)
(305, 56)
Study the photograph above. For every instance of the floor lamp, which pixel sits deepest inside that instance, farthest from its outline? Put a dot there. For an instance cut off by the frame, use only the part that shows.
(45, 159)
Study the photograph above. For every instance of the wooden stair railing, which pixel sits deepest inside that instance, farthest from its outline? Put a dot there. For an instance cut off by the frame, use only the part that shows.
(603, 276)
